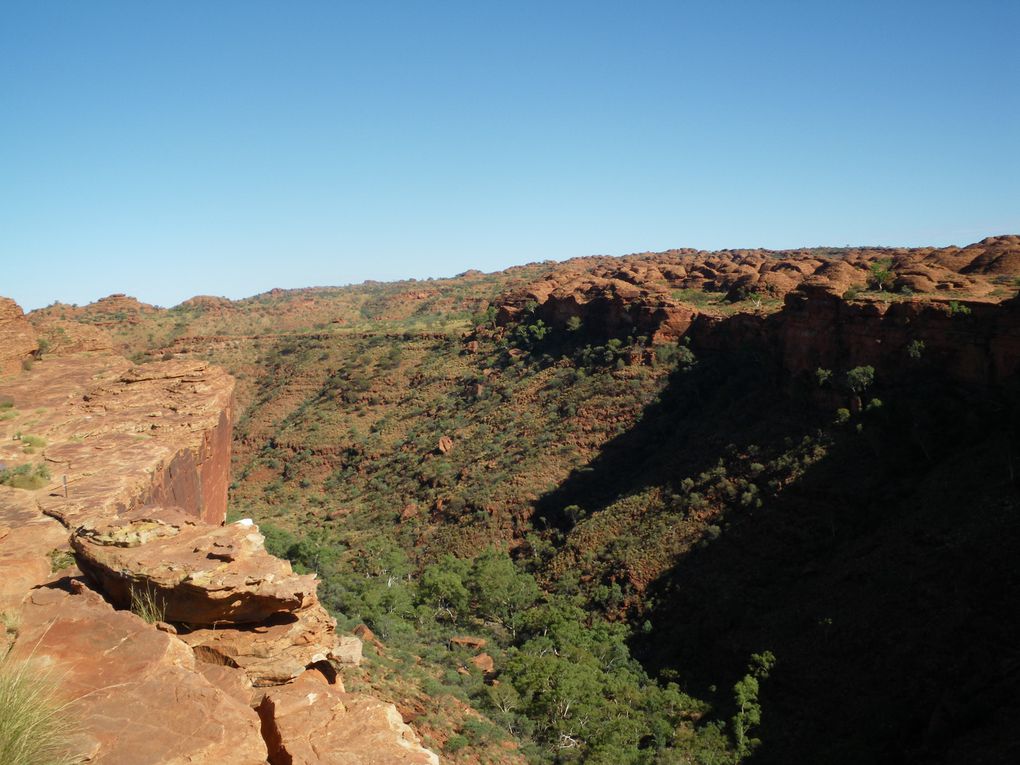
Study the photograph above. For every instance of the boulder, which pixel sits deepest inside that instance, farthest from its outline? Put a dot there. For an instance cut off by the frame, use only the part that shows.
(466, 641)
(307, 723)
(484, 662)
(130, 690)
(272, 652)
(199, 574)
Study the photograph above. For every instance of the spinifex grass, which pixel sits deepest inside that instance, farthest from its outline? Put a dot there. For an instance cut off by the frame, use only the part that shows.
(34, 725)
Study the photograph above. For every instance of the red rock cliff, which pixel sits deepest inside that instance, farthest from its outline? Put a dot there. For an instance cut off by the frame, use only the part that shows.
(133, 462)
(974, 343)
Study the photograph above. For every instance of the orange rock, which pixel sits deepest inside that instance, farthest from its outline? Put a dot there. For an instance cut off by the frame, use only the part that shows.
(484, 662)
(466, 641)
(274, 651)
(133, 690)
(17, 338)
(445, 444)
(68, 337)
(199, 574)
(306, 723)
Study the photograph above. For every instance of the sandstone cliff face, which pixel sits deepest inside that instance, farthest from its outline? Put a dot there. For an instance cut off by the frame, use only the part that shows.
(17, 338)
(975, 343)
(137, 464)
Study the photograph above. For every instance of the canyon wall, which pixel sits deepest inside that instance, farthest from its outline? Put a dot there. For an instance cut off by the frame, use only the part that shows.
(972, 342)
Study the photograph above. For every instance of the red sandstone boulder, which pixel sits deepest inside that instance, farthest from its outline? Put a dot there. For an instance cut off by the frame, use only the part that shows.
(274, 651)
(484, 662)
(466, 641)
(199, 574)
(307, 723)
(132, 689)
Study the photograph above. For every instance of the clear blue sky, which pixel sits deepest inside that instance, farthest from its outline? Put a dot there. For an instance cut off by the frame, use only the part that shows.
(167, 149)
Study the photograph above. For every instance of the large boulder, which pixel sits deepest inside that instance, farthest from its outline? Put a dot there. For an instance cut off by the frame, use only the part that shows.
(196, 573)
(308, 723)
(274, 651)
(130, 691)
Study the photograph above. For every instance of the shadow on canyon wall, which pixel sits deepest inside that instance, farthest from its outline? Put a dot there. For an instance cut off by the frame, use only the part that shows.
(885, 579)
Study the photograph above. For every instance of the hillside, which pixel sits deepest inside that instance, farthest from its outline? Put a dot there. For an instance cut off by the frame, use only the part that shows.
(576, 503)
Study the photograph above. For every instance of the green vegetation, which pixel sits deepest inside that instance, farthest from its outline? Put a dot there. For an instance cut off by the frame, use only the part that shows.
(859, 379)
(748, 714)
(568, 689)
(881, 276)
(34, 726)
(7, 410)
(25, 476)
(147, 604)
(31, 443)
(60, 559)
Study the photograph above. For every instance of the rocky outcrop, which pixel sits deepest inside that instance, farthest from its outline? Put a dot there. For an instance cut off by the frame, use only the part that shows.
(199, 574)
(133, 462)
(649, 294)
(274, 651)
(124, 436)
(606, 307)
(308, 723)
(132, 691)
(974, 343)
(65, 337)
(17, 338)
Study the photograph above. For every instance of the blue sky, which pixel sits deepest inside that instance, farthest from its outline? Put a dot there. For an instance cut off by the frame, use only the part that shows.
(179, 148)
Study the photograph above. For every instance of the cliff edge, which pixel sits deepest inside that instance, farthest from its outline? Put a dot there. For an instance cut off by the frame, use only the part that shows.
(174, 638)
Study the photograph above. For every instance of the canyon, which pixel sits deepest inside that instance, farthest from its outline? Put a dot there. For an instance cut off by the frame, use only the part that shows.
(685, 458)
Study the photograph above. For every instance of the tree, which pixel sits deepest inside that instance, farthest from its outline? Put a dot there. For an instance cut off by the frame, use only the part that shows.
(501, 593)
(859, 379)
(442, 587)
(745, 694)
(881, 277)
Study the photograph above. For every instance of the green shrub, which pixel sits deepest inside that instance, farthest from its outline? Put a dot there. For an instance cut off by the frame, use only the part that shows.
(146, 604)
(34, 729)
(859, 379)
(25, 476)
(455, 743)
